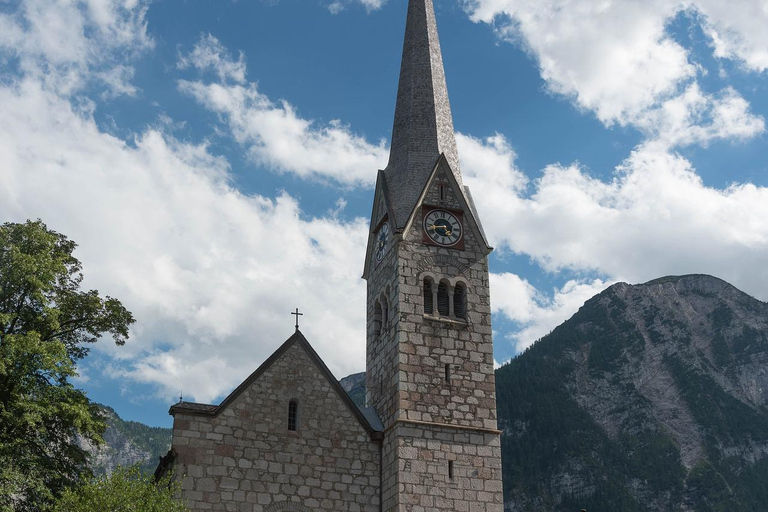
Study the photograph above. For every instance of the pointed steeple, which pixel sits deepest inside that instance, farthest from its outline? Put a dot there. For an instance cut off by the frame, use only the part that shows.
(423, 127)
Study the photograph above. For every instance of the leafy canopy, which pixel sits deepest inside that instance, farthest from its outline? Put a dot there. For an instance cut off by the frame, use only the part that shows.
(45, 322)
(125, 490)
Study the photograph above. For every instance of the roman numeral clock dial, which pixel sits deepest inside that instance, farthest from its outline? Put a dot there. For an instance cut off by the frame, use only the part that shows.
(443, 228)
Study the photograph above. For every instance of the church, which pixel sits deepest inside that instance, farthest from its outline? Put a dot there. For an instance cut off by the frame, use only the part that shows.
(289, 438)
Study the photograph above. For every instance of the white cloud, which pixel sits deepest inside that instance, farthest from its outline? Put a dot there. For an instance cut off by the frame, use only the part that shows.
(276, 136)
(536, 312)
(205, 269)
(612, 57)
(697, 118)
(210, 55)
(655, 218)
(336, 6)
(64, 43)
(618, 60)
(737, 30)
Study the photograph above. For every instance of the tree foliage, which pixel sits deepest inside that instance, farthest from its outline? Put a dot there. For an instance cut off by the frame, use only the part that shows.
(125, 490)
(45, 323)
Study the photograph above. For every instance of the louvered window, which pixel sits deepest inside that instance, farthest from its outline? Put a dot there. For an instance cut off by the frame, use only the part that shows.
(428, 307)
(293, 415)
(459, 301)
(443, 301)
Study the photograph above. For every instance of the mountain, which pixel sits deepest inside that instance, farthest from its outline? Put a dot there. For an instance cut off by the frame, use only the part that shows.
(354, 385)
(128, 443)
(651, 397)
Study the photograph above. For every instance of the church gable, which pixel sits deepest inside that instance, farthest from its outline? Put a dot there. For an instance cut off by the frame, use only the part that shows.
(381, 231)
(443, 193)
(280, 437)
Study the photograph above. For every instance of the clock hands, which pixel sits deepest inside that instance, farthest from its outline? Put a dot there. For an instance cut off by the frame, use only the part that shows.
(434, 227)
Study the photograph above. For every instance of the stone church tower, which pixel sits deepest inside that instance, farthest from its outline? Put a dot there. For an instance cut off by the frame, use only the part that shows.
(290, 439)
(429, 348)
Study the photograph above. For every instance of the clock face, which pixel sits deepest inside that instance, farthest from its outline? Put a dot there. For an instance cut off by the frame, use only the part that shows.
(382, 239)
(443, 227)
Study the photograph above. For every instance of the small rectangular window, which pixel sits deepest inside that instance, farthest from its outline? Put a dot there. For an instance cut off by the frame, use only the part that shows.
(448, 373)
(450, 470)
(293, 415)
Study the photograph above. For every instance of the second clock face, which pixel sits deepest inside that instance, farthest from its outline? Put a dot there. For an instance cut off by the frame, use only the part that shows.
(443, 227)
(382, 238)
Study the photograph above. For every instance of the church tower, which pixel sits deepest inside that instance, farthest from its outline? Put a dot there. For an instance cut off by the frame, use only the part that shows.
(429, 345)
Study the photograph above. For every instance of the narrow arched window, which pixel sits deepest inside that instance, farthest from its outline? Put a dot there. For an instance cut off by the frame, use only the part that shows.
(293, 416)
(384, 313)
(460, 301)
(376, 318)
(428, 307)
(443, 300)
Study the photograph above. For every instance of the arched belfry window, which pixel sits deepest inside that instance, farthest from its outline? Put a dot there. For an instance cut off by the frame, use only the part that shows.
(376, 318)
(443, 300)
(293, 416)
(460, 301)
(428, 301)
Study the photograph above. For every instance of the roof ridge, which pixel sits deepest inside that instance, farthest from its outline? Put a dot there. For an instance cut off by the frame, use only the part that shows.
(215, 410)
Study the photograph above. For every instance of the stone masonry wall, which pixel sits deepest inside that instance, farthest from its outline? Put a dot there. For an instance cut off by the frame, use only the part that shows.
(429, 342)
(246, 460)
(382, 349)
(424, 482)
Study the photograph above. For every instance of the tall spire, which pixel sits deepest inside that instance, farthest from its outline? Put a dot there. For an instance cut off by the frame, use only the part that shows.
(423, 127)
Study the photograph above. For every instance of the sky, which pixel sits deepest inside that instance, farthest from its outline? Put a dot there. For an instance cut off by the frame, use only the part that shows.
(215, 161)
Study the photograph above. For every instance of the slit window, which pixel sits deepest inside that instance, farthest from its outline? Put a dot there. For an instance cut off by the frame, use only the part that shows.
(443, 302)
(293, 416)
(450, 470)
(428, 307)
(448, 373)
(459, 301)
(442, 192)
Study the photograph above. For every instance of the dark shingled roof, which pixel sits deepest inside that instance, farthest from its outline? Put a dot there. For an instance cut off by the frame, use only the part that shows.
(423, 127)
(366, 416)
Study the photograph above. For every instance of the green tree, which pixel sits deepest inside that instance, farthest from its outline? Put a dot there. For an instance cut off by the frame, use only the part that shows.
(46, 322)
(125, 490)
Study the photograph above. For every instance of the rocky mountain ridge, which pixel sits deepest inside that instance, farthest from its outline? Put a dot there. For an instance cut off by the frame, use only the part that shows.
(127, 443)
(651, 396)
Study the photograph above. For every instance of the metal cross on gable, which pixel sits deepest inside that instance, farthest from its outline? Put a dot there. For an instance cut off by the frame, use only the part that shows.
(297, 315)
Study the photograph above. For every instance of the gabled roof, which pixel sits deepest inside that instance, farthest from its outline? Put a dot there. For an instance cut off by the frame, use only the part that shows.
(464, 198)
(367, 418)
(423, 126)
(381, 188)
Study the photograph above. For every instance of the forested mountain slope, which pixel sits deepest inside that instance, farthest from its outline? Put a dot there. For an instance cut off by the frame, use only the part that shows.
(651, 397)
(128, 443)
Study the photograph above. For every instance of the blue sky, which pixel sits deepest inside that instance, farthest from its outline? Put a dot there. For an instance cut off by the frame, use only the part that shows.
(215, 162)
